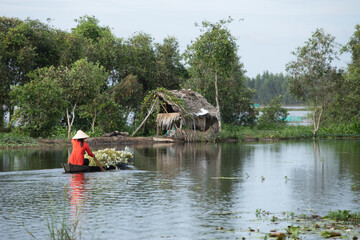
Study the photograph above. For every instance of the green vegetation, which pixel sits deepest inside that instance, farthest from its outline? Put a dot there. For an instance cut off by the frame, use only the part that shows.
(212, 56)
(273, 115)
(344, 109)
(92, 80)
(286, 132)
(89, 78)
(287, 225)
(344, 216)
(268, 86)
(16, 140)
(340, 223)
(312, 75)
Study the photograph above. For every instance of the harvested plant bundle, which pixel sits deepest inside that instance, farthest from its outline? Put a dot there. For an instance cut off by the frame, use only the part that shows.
(110, 157)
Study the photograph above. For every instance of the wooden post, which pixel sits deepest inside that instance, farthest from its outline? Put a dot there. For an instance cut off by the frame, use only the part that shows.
(150, 111)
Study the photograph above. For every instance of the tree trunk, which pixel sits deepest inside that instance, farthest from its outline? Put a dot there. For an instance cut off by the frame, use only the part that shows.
(68, 122)
(314, 120)
(11, 113)
(317, 119)
(2, 117)
(72, 120)
(217, 102)
(150, 111)
(93, 123)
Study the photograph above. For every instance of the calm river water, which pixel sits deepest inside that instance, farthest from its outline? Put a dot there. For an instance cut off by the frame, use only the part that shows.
(192, 191)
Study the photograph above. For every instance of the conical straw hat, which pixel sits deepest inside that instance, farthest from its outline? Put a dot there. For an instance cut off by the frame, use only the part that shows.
(80, 135)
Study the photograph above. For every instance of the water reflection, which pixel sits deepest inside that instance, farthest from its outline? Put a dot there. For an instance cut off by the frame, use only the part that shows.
(77, 188)
(31, 159)
(188, 191)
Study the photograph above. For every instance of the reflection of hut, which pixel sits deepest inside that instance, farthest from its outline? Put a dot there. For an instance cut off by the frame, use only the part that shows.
(186, 114)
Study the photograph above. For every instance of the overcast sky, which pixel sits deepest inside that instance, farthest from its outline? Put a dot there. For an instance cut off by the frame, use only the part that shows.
(270, 29)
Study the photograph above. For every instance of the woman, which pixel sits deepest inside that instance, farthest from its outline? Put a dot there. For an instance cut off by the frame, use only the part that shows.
(79, 147)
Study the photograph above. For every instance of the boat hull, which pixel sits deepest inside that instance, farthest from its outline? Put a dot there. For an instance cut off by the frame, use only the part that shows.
(71, 168)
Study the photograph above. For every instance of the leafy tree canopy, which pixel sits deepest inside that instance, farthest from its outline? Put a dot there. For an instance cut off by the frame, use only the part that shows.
(312, 76)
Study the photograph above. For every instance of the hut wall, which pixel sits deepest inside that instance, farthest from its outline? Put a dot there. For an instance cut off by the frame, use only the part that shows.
(198, 136)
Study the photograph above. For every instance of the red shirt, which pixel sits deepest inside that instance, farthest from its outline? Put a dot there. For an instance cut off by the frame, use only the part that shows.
(77, 155)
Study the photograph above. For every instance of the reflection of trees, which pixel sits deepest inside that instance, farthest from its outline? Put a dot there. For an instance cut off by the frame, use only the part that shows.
(30, 159)
(327, 176)
(318, 159)
(205, 163)
(348, 152)
(198, 157)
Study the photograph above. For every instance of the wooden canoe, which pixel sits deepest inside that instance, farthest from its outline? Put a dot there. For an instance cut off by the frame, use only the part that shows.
(71, 168)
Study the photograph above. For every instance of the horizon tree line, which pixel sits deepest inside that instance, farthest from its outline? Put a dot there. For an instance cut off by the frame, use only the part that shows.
(92, 79)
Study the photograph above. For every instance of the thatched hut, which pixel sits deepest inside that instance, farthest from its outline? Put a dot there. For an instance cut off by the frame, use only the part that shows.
(186, 115)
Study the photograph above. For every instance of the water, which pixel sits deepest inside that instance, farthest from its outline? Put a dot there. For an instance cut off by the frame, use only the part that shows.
(298, 115)
(194, 191)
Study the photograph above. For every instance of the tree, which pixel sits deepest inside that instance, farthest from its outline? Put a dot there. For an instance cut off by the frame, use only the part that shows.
(94, 107)
(213, 55)
(268, 86)
(238, 105)
(346, 105)
(273, 115)
(6, 77)
(170, 72)
(352, 79)
(39, 103)
(74, 47)
(126, 94)
(88, 26)
(81, 84)
(312, 77)
(24, 46)
(100, 45)
(140, 60)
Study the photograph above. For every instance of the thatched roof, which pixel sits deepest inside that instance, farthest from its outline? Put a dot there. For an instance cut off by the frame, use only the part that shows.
(194, 110)
(165, 120)
(195, 104)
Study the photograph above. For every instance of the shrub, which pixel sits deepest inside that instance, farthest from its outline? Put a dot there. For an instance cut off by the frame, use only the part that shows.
(273, 115)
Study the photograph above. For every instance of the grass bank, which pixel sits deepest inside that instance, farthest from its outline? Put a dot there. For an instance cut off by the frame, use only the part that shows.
(13, 140)
(229, 133)
(239, 133)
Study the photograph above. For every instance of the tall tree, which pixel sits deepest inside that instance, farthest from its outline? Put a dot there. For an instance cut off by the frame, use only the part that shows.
(237, 104)
(140, 60)
(39, 102)
(344, 110)
(126, 93)
(24, 46)
(74, 47)
(213, 55)
(312, 76)
(5, 71)
(352, 78)
(99, 44)
(81, 84)
(170, 72)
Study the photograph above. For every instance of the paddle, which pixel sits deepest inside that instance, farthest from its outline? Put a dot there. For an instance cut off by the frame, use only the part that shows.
(98, 163)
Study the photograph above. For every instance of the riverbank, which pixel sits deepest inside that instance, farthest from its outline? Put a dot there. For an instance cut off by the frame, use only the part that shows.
(288, 132)
(11, 141)
(229, 134)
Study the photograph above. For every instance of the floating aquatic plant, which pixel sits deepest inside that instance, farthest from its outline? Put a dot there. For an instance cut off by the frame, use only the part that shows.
(110, 157)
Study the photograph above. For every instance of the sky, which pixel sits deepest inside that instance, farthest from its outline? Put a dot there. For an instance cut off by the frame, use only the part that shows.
(267, 34)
